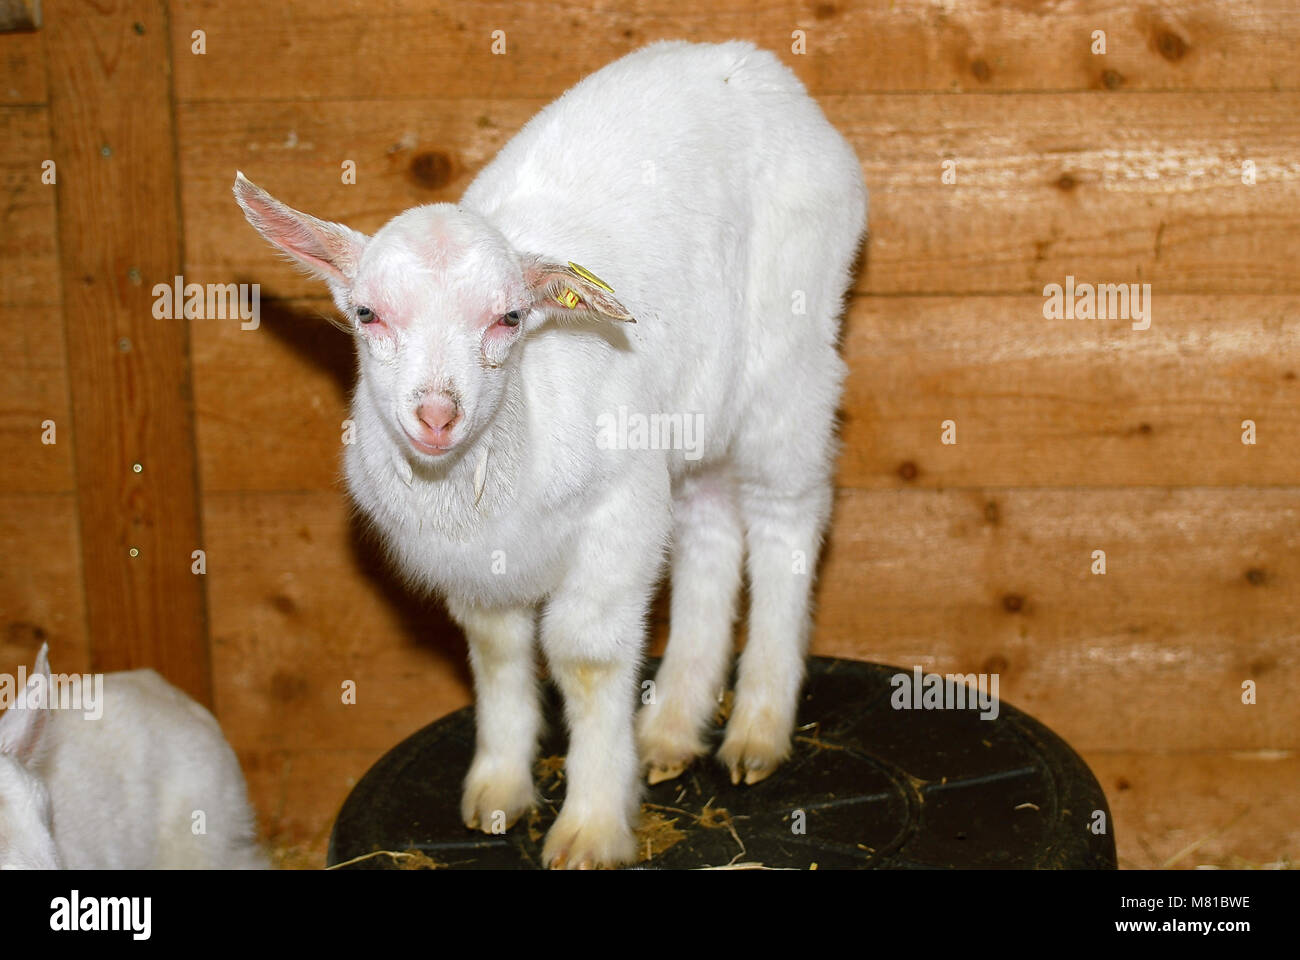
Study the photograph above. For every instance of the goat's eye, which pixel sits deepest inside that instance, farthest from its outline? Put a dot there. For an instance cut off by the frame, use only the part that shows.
(366, 315)
(511, 319)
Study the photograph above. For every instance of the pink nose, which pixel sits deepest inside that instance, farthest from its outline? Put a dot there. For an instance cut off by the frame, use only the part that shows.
(438, 414)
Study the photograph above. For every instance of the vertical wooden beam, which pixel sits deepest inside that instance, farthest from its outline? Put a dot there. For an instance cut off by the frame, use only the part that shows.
(119, 234)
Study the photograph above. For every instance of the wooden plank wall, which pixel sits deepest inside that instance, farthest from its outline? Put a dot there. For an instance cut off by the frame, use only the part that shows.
(128, 368)
(100, 508)
(42, 597)
(1073, 435)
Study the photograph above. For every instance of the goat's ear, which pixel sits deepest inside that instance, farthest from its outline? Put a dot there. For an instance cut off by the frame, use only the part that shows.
(329, 250)
(21, 729)
(568, 290)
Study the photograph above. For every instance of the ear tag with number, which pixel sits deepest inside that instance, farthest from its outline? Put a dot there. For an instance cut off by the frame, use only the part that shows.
(590, 277)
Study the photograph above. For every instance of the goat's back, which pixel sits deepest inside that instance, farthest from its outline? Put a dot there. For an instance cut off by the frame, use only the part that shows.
(709, 189)
(125, 787)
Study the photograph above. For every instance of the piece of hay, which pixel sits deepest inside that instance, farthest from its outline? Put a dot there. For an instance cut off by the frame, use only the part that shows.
(656, 834)
(724, 707)
(710, 817)
(749, 865)
(550, 768)
(534, 830)
(406, 860)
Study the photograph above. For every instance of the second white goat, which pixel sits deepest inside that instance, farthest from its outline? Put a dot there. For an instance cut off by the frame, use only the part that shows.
(618, 349)
(144, 780)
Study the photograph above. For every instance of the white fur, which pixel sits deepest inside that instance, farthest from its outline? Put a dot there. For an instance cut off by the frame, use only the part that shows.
(119, 791)
(707, 188)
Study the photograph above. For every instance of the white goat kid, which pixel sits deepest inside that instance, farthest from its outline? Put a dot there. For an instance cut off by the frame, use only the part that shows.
(723, 212)
(120, 784)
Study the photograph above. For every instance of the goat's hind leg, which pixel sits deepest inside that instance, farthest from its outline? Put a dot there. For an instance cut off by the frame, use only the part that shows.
(707, 554)
(783, 535)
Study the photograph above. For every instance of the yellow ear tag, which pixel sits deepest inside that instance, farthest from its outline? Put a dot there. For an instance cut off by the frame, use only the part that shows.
(568, 299)
(589, 276)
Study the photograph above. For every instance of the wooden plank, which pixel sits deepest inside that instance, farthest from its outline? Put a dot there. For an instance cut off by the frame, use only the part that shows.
(41, 597)
(27, 242)
(1041, 402)
(1141, 188)
(297, 794)
(118, 235)
(409, 48)
(300, 603)
(1109, 189)
(1198, 597)
(406, 153)
(1036, 402)
(33, 390)
(23, 59)
(1232, 811)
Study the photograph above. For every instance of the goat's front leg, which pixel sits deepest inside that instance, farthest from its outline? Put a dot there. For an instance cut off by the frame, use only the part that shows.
(593, 633)
(499, 786)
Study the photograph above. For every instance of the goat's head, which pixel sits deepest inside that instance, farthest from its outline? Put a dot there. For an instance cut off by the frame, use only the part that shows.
(437, 300)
